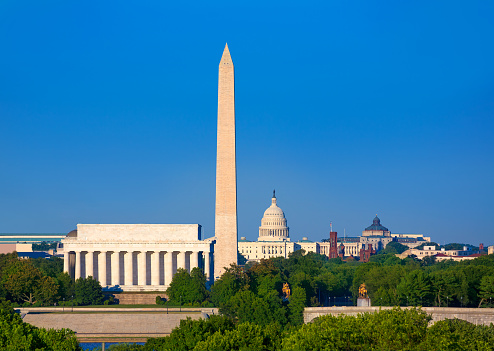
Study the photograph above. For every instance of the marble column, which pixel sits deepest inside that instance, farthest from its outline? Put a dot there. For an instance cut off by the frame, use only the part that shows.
(115, 268)
(155, 268)
(207, 270)
(102, 268)
(66, 261)
(90, 264)
(168, 267)
(141, 268)
(194, 261)
(77, 265)
(128, 269)
(181, 260)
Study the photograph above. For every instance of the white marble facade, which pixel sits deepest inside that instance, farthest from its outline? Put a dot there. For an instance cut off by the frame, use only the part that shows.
(136, 257)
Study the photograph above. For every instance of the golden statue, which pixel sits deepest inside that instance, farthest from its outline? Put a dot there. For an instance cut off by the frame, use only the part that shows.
(286, 290)
(362, 291)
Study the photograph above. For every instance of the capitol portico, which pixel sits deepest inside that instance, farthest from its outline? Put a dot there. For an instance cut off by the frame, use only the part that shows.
(135, 257)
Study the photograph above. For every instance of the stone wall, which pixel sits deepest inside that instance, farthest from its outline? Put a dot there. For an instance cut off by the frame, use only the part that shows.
(138, 299)
(111, 324)
(474, 315)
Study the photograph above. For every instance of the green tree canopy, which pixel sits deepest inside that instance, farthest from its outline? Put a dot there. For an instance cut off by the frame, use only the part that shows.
(190, 332)
(88, 291)
(188, 288)
(25, 283)
(394, 247)
(17, 335)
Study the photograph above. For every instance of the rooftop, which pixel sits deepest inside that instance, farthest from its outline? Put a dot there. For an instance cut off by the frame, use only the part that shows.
(376, 225)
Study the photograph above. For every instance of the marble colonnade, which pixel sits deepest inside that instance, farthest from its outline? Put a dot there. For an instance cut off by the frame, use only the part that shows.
(133, 270)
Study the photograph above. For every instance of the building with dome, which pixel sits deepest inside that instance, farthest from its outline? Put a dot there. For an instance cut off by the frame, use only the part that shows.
(376, 237)
(274, 236)
(273, 224)
(376, 229)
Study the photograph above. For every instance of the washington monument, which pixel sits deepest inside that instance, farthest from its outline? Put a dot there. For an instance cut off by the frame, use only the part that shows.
(225, 251)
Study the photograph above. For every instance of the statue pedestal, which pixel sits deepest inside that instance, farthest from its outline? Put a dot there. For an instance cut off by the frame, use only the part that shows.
(363, 302)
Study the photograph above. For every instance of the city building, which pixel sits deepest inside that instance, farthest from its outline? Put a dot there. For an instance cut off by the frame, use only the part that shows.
(30, 238)
(135, 257)
(274, 237)
(18, 247)
(441, 254)
(22, 242)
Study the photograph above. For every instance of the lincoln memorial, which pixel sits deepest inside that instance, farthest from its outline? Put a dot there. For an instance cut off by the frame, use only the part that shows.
(135, 257)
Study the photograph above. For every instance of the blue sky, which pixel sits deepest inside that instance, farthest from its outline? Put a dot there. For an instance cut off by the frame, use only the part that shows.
(346, 108)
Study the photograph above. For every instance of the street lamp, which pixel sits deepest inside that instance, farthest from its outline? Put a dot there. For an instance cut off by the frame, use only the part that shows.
(180, 303)
(462, 301)
(72, 303)
(63, 308)
(407, 300)
(447, 301)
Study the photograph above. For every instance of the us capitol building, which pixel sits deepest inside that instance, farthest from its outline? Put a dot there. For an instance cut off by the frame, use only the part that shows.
(274, 238)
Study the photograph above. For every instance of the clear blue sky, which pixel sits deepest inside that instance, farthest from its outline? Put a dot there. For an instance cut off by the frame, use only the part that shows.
(346, 108)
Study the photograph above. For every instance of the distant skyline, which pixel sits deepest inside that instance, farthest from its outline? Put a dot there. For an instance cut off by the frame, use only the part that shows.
(108, 115)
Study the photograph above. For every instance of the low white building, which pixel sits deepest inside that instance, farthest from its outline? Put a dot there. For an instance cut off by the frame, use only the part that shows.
(135, 257)
(441, 254)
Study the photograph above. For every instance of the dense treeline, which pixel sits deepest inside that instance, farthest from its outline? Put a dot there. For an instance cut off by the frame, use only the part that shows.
(41, 282)
(253, 293)
(17, 335)
(387, 330)
(43, 246)
(392, 281)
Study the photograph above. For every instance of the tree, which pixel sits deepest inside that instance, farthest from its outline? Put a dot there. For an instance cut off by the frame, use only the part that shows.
(247, 336)
(6, 260)
(448, 285)
(47, 292)
(456, 334)
(296, 306)
(65, 285)
(88, 291)
(50, 267)
(394, 247)
(188, 288)
(17, 335)
(384, 330)
(415, 289)
(190, 332)
(233, 280)
(43, 246)
(486, 293)
(26, 283)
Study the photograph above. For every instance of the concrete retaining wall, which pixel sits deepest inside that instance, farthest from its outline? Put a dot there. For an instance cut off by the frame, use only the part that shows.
(105, 324)
(111, 324)
(473, 315)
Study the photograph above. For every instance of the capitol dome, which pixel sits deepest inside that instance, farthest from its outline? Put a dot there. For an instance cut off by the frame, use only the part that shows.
(273, 224)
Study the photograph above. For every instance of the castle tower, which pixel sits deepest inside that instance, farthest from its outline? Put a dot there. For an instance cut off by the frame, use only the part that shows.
(225, 251)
